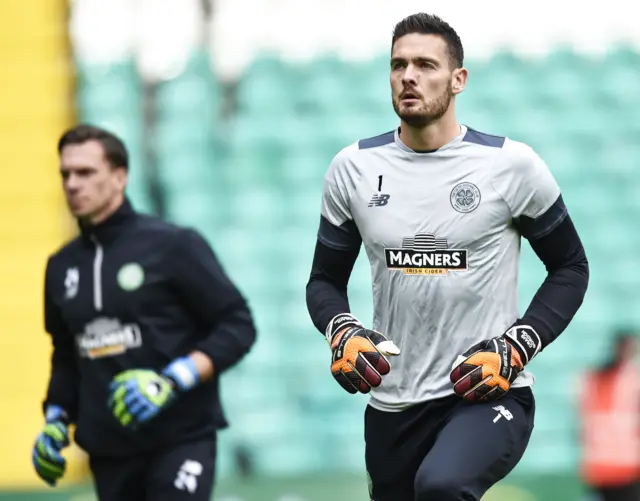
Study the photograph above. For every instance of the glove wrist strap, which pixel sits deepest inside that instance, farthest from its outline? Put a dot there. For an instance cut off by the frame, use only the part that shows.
(183, 373)
(55, 413)
(340, 322)
(525, 340)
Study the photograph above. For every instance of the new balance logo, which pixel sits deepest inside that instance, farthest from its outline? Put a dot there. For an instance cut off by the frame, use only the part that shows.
(502, 412)
(187, 479)
(379, 200)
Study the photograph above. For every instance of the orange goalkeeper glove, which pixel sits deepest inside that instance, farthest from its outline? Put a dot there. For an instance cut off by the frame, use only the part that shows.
(358, 359)
(487, 370)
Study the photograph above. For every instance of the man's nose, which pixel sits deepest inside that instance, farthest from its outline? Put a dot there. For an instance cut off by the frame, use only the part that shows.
(72, 183)
(410, 77)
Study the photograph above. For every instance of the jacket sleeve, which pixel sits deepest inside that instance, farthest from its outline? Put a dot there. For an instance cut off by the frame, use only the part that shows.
(216, 303)
(63, 385)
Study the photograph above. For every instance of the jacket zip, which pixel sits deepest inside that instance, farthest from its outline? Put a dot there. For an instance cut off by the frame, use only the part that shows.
(97, 274)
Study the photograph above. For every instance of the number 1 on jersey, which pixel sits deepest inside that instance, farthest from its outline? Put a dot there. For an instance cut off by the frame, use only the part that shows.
(380, 182)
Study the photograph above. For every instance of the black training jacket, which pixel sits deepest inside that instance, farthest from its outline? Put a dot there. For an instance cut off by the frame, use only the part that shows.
(138, 292)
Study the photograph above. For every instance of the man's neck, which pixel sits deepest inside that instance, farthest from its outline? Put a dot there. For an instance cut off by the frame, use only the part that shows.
(106, 212)
(431, 137)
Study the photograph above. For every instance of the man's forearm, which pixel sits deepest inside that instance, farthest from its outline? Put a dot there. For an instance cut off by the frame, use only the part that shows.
(63, 385)
(561, 294)
(327, 287)
(227, 343)
(325, 300)
(557, 301)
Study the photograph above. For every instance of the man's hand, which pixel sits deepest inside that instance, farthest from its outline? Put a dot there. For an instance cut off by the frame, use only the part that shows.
(487, 370)
(358, 359)
(47, 459)
(138, 395)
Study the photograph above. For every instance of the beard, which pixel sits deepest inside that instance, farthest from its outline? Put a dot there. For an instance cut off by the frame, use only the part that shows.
(421, 115)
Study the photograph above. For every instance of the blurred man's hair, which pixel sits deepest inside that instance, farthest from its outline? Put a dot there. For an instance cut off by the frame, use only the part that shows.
(624, 335)
(620, 337)
(429, 24)
(114, 149)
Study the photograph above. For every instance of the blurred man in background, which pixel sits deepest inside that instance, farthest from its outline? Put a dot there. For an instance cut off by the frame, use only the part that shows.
(143, 321)
(610, 414)
(440, 209)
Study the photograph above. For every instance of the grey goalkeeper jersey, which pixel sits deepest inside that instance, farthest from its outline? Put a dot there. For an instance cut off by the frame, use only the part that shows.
(438, 231)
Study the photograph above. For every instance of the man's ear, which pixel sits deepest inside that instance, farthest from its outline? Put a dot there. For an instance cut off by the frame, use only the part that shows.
(459, 80)
(122, 176)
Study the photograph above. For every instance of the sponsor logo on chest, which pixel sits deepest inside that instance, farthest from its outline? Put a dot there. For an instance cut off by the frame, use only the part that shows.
(106, 337)
(424, 254)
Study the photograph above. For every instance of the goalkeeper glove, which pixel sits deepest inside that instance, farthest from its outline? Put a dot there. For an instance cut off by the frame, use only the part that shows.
(138, 395)
(487, 370)
(358, 359)
(47, 460)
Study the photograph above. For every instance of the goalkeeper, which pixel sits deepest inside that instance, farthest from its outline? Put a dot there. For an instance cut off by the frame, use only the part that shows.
(440, 209)
(143, 321)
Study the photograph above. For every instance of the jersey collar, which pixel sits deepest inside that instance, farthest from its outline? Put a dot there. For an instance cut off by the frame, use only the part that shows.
(108, 230)
(456, 140)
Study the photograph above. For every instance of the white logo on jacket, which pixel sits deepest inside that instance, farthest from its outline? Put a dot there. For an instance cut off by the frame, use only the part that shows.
(71, 283)
(106, 337)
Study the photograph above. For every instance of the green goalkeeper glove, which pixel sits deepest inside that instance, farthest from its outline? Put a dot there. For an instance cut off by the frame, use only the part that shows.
(138, 395)
(46, 457)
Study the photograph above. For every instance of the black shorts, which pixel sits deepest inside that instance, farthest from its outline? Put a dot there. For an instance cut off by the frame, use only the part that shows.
(182, 473)
(446, 449)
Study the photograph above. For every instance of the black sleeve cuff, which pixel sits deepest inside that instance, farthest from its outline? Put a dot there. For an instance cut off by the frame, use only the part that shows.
(345, 237)
(533, 229)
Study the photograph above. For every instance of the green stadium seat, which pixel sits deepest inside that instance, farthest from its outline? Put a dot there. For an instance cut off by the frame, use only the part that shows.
(267, 88)
(198, 208)
(621, 77)
(187, 171)
(193, 91)
(176, 136)
(258, 208)
(320, 86)
(564, 80)
(304, 167)
(369, 85)
(107, 89)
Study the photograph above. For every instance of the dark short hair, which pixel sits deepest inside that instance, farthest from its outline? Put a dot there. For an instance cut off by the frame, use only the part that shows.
(623, 335)
(114, 148)
(429, 24)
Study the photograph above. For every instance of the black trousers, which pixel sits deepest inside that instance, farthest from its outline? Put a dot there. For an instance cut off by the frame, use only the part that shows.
(446, 449)
(630, 492)
(183, 473)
